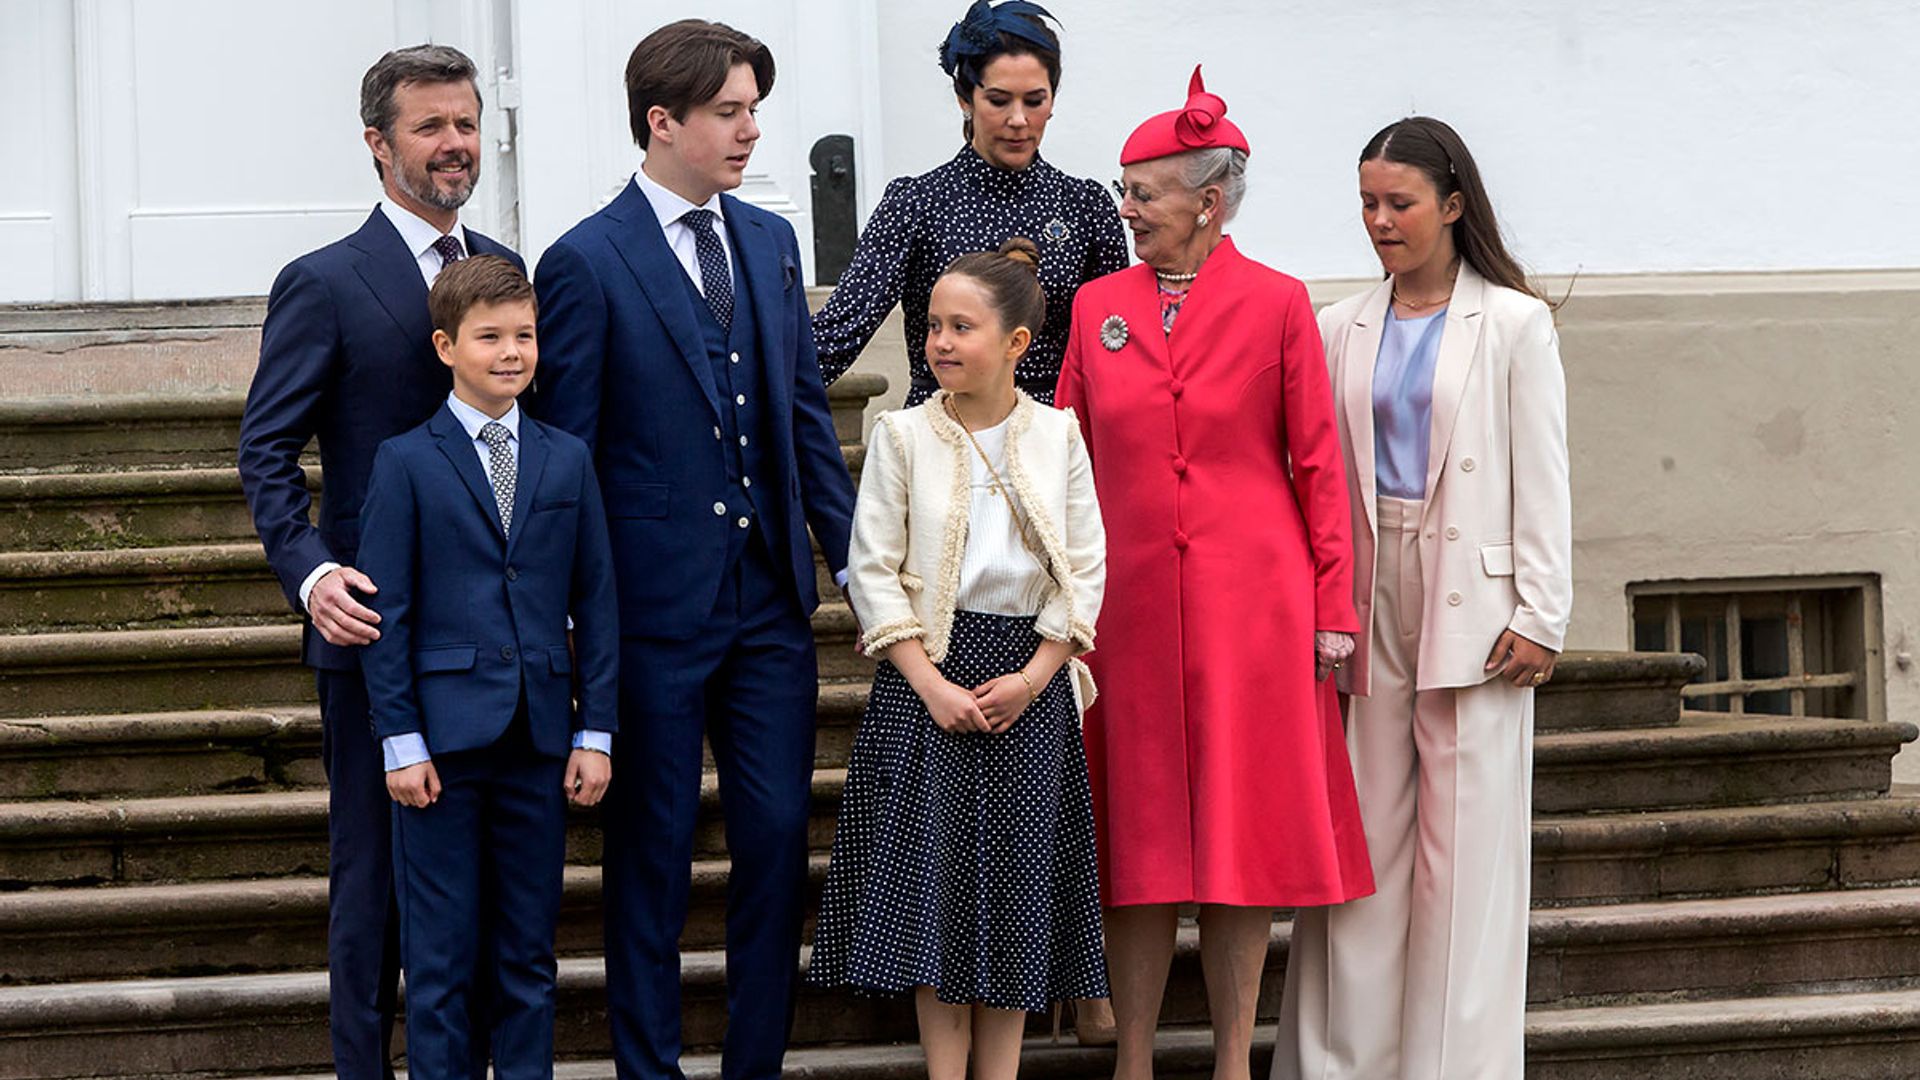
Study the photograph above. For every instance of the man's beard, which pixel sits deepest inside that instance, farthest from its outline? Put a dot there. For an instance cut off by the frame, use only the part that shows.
(421, 185)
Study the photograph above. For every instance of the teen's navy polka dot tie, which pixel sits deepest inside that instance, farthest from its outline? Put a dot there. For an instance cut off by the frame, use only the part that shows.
(500, 467)
(716, 280)
(449, 250)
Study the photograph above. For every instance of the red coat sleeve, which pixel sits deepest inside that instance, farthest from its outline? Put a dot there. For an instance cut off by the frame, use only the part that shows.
(1319, 474)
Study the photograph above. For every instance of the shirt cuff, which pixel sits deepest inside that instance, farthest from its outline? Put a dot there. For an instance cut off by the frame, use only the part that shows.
(313, 578)
(840, 578)
(597, 741)
(405, 749)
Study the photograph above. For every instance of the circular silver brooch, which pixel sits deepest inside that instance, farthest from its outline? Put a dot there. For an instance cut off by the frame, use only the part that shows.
(1055, 230)
(1113, 333)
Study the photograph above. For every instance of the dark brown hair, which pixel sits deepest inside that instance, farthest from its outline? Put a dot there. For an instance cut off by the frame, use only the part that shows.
(403, 67)
(465, 285)
(686, 63)
(1438, 151)
(1011, 277)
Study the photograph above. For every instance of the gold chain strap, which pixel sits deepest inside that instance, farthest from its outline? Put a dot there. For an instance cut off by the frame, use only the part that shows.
(999, 487)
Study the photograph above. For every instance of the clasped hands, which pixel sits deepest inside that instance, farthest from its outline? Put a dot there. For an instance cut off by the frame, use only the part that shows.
(990, 708)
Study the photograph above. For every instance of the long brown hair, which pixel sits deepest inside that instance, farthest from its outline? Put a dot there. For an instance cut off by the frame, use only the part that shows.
(1437, 150)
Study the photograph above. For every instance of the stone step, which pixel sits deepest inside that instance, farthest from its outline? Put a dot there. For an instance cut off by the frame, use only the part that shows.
(1725, 851)
(227, 750)
(182, 753)
(138, 588)
(163, 508)
(260, 834)
(277, 1022)
(1639, 690)
(120, 433)
(73, 673)
(1726, 946)
(1712, 759)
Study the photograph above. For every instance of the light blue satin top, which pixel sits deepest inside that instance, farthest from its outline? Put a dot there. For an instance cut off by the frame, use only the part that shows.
(1403, 403)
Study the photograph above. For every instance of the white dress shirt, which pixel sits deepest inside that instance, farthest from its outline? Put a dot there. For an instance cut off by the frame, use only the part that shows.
(999, 574)
(410, 748)
(419, 236)
(669, 208)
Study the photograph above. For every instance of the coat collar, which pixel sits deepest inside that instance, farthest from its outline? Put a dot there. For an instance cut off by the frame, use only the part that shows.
(950, 431)
(392, 274)
(1459, 345)
(454, 442)
(642, 245)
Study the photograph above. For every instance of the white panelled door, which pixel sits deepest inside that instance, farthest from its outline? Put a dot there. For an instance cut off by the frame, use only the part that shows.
(190, 148)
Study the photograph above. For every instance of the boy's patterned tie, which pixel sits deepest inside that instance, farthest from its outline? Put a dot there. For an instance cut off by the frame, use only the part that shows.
(500, 467)
(716, 280)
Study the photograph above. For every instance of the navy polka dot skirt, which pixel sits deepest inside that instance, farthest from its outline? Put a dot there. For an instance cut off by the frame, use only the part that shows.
(966, 862)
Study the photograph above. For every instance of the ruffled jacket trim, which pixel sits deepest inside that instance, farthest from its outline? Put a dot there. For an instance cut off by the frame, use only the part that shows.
(911, 522)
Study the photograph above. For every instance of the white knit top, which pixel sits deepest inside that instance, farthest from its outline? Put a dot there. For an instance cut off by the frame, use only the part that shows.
(999, 575)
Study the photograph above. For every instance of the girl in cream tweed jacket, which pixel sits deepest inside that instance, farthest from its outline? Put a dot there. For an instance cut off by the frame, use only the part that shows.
(910, 525)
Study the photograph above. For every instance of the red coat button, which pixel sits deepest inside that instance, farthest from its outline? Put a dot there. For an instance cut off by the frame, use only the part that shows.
(1180, 540)
(1179, 466)
(1177, 387)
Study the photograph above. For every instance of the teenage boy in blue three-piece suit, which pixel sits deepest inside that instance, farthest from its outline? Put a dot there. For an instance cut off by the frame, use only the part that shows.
(346, 356)
(486, 532)
(676, 342)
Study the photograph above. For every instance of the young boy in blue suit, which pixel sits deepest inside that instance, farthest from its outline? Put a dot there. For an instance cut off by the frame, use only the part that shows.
(486, 532)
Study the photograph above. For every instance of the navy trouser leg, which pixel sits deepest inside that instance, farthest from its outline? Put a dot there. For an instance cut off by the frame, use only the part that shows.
(647, 863)
(761, 726)
(525, 834)
(363, 943)
(437, 863)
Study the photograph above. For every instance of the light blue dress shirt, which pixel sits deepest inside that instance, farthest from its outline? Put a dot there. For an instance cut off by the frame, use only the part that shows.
(401, 751)
(1403, 403)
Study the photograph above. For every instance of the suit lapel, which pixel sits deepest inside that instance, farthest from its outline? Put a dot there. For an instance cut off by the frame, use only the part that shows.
(760, 264)
(1357, 357)
(533, 463)
(1459, 344)
(459, 450)
(392, 274)
(643, 247)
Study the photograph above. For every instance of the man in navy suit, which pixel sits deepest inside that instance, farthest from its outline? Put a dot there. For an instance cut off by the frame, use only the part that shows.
(676, 342)
(346, 355)
(485, 530)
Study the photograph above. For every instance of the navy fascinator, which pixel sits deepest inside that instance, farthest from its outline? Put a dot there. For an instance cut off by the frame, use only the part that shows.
(979, 32)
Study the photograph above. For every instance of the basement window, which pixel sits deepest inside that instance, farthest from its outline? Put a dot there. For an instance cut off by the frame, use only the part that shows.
(1807, 646)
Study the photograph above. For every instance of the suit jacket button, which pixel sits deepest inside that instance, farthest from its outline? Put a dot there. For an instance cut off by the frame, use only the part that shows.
(1179, 466)
(506, 652)
(744, 522)
(1466, 465)
(719, 509)
(1180, 540)
(1453, 598)
(513, 574)
(1177, 387)
(1453, 533)
(716, 432)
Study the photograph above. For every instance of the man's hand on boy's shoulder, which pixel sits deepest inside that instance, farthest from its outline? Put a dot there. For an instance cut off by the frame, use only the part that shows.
(588, 774)
(417, 786)
(338, 614)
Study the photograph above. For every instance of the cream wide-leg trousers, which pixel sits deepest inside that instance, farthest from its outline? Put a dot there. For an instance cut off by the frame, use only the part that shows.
(1427, 978)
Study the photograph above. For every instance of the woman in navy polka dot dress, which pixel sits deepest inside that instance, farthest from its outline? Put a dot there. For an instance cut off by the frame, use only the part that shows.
(963, 869)
(1005, 64)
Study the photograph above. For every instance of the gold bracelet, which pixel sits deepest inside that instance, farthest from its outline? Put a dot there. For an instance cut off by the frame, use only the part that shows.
(1032, 694)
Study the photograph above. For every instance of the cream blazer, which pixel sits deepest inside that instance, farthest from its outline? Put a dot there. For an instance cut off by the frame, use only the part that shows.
(1496, 532)
(910, 525)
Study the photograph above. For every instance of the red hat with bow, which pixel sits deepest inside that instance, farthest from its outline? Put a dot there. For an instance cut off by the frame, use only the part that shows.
(1201, 125)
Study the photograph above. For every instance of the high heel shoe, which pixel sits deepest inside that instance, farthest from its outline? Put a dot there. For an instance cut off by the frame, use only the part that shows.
(1093, 1023)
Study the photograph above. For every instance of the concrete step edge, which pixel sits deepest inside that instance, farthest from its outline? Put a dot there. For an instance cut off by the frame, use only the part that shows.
(126, 730)
(1765, 1019)
(69, 649)
(1741, 917)
(131, 484)
(1721, 737)
(136, 564)
(1730, 825)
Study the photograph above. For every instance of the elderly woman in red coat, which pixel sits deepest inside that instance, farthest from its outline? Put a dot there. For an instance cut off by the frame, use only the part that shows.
(1220, 773)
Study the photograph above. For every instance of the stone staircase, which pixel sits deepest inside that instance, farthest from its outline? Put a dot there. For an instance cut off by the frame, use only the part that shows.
(1715, 896)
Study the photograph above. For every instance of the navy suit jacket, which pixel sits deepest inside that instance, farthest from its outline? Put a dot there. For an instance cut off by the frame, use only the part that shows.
(623, 365)
(346, 355)
(469, 617)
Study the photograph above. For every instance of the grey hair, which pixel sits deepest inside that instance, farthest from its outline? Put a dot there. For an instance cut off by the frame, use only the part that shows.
(1222, 165)
(414, 64)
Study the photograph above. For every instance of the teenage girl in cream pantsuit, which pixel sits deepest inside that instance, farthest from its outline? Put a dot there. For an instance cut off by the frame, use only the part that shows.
(1452, 415)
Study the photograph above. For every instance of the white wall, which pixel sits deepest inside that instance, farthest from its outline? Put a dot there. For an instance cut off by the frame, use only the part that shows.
(1616, 135)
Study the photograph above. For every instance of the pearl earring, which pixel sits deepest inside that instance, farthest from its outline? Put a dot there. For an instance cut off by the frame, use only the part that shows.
(1202, 219)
